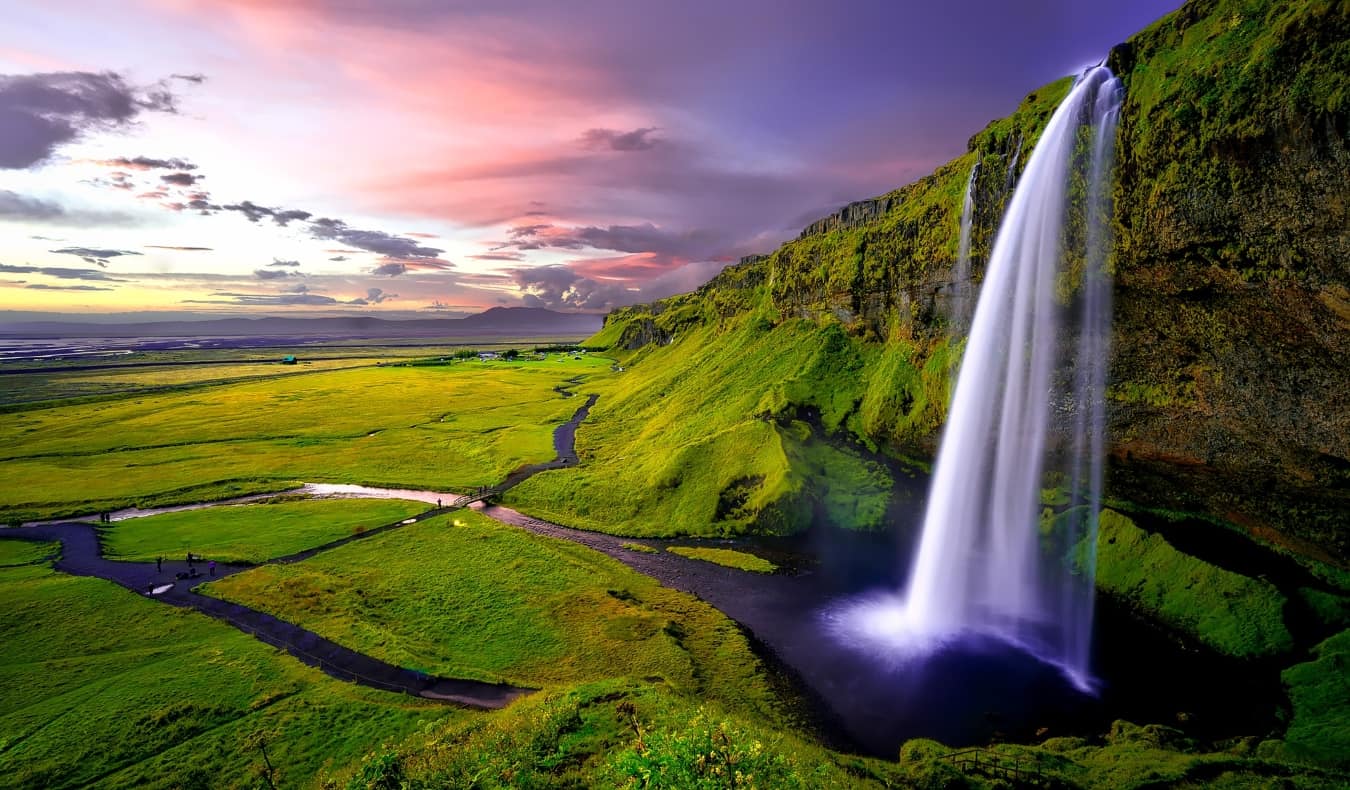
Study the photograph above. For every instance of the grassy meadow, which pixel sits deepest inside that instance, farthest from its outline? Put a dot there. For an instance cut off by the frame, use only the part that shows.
(462, 595)
(23, 552)
(105, 688)
(252, 532)
(711, 435)
(741, 560)
(452, 426)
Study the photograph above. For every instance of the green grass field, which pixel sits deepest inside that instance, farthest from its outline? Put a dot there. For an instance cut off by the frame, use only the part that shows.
(22, 552)
(103, 687)
(465, 596)
(251, 532)
(442, 427)
(701, 437)
(729, 557)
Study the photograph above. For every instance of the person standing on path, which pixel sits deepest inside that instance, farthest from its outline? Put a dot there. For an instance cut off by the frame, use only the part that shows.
(159, 565)
(212, 567)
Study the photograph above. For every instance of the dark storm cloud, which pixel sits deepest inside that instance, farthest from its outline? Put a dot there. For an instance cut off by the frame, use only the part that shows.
(42, 112)
(98, 257)
(21, 208)
(42, 287)
(614, 140)
(180, 179)
(147, 163)
(339, 258)
(391, 269)
(196, 79)
(279, 262)
(62, 273)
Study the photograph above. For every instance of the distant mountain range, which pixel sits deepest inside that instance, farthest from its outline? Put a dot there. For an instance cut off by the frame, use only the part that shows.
(498, 321)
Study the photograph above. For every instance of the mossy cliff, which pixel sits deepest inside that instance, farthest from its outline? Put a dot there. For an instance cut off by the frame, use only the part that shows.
(1230, 370)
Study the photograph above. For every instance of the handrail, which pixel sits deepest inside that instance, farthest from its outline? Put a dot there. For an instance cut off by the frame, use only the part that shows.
(995, 765)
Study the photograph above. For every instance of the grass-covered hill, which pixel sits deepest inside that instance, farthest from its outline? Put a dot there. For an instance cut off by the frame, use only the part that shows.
(751, 404)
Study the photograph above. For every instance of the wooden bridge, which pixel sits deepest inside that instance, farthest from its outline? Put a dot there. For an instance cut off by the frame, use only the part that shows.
(481, 495)
(994, 765)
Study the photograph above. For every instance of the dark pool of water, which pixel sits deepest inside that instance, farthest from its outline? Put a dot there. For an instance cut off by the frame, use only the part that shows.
(979, 689)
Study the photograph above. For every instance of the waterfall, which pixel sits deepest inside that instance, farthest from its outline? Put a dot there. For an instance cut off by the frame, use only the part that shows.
(961, 285)
(1028, 404)
(1012, 166)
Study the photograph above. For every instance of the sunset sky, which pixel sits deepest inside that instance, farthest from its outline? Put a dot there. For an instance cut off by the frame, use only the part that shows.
(421, 158)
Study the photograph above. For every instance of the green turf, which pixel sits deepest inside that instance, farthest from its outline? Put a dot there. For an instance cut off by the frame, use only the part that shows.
(1126, 757)
(440, 427)
(703, 437)
(1319, 691)
(24, 552)
(1229, 612)
(465, 596)
(614, 734)
(251, 532)
(728, 557)
(105, 688)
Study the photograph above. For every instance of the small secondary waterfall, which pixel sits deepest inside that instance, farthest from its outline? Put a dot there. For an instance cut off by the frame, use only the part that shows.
(1027, 412)
(981, 564)
(961, 285)
(1012, 166)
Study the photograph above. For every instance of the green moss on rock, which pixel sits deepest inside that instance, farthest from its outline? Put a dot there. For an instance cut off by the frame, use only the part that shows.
(1319, 691)
(1231, 613)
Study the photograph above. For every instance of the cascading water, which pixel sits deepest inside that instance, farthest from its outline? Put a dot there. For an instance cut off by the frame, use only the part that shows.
(985, 563)
(1012, 166)
(961, 285)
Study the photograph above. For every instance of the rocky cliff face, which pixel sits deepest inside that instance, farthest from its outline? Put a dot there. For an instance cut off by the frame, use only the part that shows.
(1230, 370)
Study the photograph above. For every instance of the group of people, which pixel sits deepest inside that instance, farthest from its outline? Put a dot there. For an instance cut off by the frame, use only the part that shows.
(192, 571)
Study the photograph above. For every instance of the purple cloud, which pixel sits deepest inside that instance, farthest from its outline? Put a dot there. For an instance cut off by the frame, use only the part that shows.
(42, 112)
(21, 208)
(636, 140)
(98, 257)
